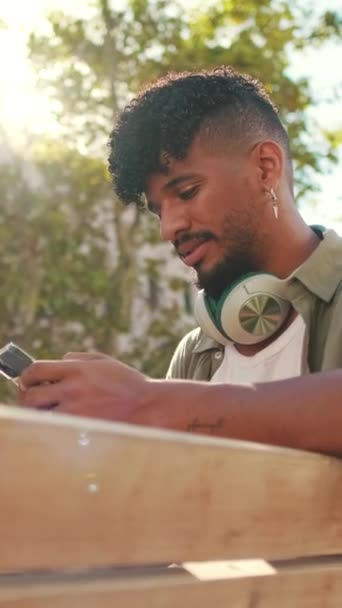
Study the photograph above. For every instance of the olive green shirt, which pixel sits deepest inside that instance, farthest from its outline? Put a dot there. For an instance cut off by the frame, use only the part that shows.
(315, 292)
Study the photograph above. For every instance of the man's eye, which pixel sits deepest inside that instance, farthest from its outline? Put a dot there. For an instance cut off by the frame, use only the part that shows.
(185, 195)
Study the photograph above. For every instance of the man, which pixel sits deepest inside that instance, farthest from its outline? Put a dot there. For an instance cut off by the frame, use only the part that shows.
(210, 156)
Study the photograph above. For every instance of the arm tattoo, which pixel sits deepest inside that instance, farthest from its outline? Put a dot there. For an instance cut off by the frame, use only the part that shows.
(205, 427)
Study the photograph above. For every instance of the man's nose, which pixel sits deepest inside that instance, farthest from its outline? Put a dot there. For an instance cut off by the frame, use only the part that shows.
(174, 219)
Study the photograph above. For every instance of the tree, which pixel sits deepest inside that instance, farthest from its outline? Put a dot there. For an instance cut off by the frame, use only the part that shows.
(116, 51)
(61, 285)
(91, 267)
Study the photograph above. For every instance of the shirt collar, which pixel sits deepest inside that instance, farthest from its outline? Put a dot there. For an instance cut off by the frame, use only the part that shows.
(322, 271)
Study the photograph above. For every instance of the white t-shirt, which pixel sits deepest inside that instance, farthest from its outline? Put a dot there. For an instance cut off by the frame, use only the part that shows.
(279, 360)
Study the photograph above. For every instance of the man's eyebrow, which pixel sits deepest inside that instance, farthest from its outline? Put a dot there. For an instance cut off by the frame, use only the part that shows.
(176, 181)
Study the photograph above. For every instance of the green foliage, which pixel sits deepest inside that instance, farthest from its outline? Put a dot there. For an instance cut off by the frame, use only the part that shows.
(71, 259)
(152, 352)
(116, 51)
(69, 263)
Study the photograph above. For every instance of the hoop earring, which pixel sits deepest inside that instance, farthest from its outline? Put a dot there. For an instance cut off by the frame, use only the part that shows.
(274, 199)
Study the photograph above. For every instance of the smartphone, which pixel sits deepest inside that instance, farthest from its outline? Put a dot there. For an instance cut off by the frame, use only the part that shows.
(13, 361)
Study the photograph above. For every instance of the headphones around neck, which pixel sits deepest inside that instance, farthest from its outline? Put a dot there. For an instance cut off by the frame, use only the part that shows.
(249, 311)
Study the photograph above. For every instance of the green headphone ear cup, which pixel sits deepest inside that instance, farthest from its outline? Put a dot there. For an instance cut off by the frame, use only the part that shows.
(205, 314)
(213, 309)
(258, 294)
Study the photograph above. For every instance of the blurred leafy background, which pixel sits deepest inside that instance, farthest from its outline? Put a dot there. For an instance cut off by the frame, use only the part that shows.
(78, 271)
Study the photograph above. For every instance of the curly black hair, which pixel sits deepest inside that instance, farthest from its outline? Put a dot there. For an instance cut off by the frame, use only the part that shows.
(163, 120)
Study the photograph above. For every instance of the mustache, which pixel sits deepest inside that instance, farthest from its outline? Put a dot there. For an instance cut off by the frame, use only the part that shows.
(203, 235)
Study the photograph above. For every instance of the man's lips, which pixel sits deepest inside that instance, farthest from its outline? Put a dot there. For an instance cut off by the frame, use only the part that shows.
(192, 251)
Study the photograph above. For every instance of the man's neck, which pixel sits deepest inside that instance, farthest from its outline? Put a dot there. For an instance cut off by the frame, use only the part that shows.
(290, 247)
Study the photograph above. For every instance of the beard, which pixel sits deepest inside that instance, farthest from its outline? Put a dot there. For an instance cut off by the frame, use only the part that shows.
(238, 259)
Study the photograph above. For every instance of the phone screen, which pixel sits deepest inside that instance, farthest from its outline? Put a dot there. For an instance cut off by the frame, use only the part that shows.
(13, 361)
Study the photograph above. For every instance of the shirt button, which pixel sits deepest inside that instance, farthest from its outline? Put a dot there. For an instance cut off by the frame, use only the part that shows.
(218, 355)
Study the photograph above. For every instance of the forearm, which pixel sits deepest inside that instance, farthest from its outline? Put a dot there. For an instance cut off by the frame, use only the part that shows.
(303, 413)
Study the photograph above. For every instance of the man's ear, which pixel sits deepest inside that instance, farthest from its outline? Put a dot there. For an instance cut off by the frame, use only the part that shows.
(269, 160)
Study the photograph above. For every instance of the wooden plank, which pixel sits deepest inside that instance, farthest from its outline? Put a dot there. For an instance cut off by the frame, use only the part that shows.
(314, 588)
(77, 492)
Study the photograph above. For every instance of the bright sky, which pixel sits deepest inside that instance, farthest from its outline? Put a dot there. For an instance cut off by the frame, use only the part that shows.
(23, 110)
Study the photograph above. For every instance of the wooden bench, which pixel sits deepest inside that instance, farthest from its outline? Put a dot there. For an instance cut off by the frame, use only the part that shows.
(93, 514)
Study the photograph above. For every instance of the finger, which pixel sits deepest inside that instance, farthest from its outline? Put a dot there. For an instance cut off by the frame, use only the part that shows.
(40, 397)
(20, 393)
(46, 371)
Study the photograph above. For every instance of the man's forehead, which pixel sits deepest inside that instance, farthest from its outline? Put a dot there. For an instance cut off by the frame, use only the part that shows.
(167, 172)
(169, 165)
(173, 168)
(201, 161)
